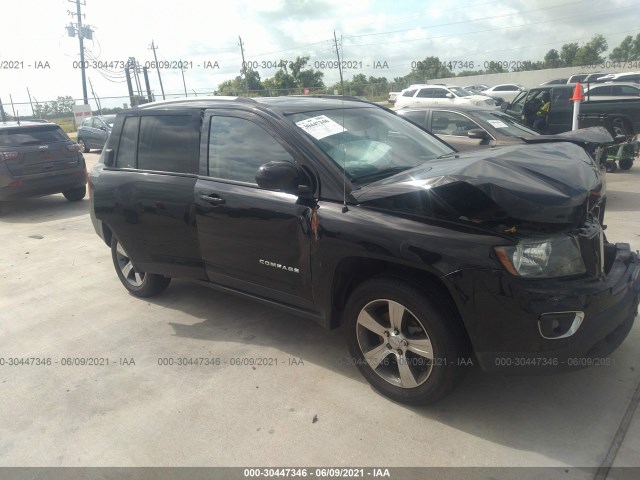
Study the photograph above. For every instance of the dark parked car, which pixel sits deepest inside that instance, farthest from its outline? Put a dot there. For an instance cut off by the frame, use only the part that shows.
(38, 158)
(342, 212)
(94, 131)
(469, 128)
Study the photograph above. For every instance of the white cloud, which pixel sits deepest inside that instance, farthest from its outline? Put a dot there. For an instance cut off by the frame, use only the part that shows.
(199, 32)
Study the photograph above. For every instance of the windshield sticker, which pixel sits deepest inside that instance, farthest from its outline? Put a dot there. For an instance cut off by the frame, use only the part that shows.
(498, 124)
(320, 126)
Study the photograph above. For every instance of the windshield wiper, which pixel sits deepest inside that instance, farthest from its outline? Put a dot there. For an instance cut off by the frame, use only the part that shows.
(385, 172)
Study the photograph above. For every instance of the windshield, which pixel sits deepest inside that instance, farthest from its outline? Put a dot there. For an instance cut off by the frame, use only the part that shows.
(505, 124)
(460, 92)
(109, 121)
(369, 143)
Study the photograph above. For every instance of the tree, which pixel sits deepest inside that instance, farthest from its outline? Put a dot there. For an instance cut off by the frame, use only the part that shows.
(361, 86)
(250, 84)
(568, 53)
(62, 106)
(627, 51)
(294, 76)
(591, 52)
(552, 59)
(429, 68)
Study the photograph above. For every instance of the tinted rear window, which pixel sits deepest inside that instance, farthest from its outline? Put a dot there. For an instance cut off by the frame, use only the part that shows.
(14, 137)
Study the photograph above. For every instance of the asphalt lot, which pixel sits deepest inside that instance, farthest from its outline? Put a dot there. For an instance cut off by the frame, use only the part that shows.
(60, 299)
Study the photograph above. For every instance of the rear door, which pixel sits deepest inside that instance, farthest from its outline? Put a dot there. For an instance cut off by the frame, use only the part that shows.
(253, 240)
(146, 198)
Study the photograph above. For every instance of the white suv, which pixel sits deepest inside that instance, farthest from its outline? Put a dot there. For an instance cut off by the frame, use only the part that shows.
(431, 95)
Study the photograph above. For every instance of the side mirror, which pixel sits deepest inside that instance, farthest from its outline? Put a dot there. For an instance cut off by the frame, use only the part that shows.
(108, 157)
(478, 133)
(449, 95)
(504, 106)
(280, 176)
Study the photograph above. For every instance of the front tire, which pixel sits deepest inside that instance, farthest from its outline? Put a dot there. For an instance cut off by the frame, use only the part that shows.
(75, 194)
(138, 283)
(408, 343)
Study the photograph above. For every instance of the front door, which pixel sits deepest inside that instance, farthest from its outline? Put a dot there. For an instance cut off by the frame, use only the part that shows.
(253, 240)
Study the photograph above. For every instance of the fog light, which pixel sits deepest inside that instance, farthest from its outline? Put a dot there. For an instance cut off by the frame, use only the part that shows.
(556, 325)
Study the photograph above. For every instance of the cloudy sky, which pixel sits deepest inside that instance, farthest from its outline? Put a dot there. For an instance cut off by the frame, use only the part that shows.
(371, 32)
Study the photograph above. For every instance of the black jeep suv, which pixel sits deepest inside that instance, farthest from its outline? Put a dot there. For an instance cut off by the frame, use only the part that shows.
(38, 158)
(341, 211)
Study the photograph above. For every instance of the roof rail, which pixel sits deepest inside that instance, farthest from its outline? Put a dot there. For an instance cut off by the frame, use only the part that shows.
(195, 99)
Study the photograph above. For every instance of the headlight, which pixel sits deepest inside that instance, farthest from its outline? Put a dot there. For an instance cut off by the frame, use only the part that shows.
(552, 257)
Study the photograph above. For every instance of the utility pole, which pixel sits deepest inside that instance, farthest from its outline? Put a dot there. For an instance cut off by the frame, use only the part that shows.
(153, 47)
(145, 74)
(33, 112)
(131, 97)
(335, 40)
(82, 32)
(133, 63)
(244, 65)
(95, 97)
(4, 118)
(184, 84)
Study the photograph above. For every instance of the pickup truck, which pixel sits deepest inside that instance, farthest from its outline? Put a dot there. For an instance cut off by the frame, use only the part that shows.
(620, 117)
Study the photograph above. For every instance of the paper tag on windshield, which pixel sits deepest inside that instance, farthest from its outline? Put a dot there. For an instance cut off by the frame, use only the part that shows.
(498, 124)
(320, 126)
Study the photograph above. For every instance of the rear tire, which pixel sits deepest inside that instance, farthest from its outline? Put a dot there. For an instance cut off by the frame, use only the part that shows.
(625, 164)
(140, 284)
(83, 145)
(75, 194)
(409, 344)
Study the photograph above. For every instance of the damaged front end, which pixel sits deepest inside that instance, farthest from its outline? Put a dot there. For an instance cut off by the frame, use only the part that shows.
(563, 290)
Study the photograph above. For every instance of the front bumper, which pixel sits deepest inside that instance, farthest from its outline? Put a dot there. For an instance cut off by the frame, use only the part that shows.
(502, 313)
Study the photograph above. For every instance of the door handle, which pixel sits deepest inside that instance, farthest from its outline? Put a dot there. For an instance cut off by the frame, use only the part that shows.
(213, 199)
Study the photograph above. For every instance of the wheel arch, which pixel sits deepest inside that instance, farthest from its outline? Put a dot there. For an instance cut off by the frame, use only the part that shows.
(352, 271)
(107, 234)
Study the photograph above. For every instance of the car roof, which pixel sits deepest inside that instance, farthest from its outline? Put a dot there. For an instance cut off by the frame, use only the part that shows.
(610, 84)
(457, 108)
(284, 104)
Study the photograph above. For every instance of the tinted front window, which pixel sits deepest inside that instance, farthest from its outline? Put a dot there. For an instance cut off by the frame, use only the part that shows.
(505, 124)
(415, 116)
(239, 147)
(450, 123)
(460, 92)
(168, 143)
(369, 143)
(13, 137)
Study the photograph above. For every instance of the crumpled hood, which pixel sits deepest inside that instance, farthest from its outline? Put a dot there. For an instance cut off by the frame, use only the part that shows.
(593, 135)
(549, 184)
